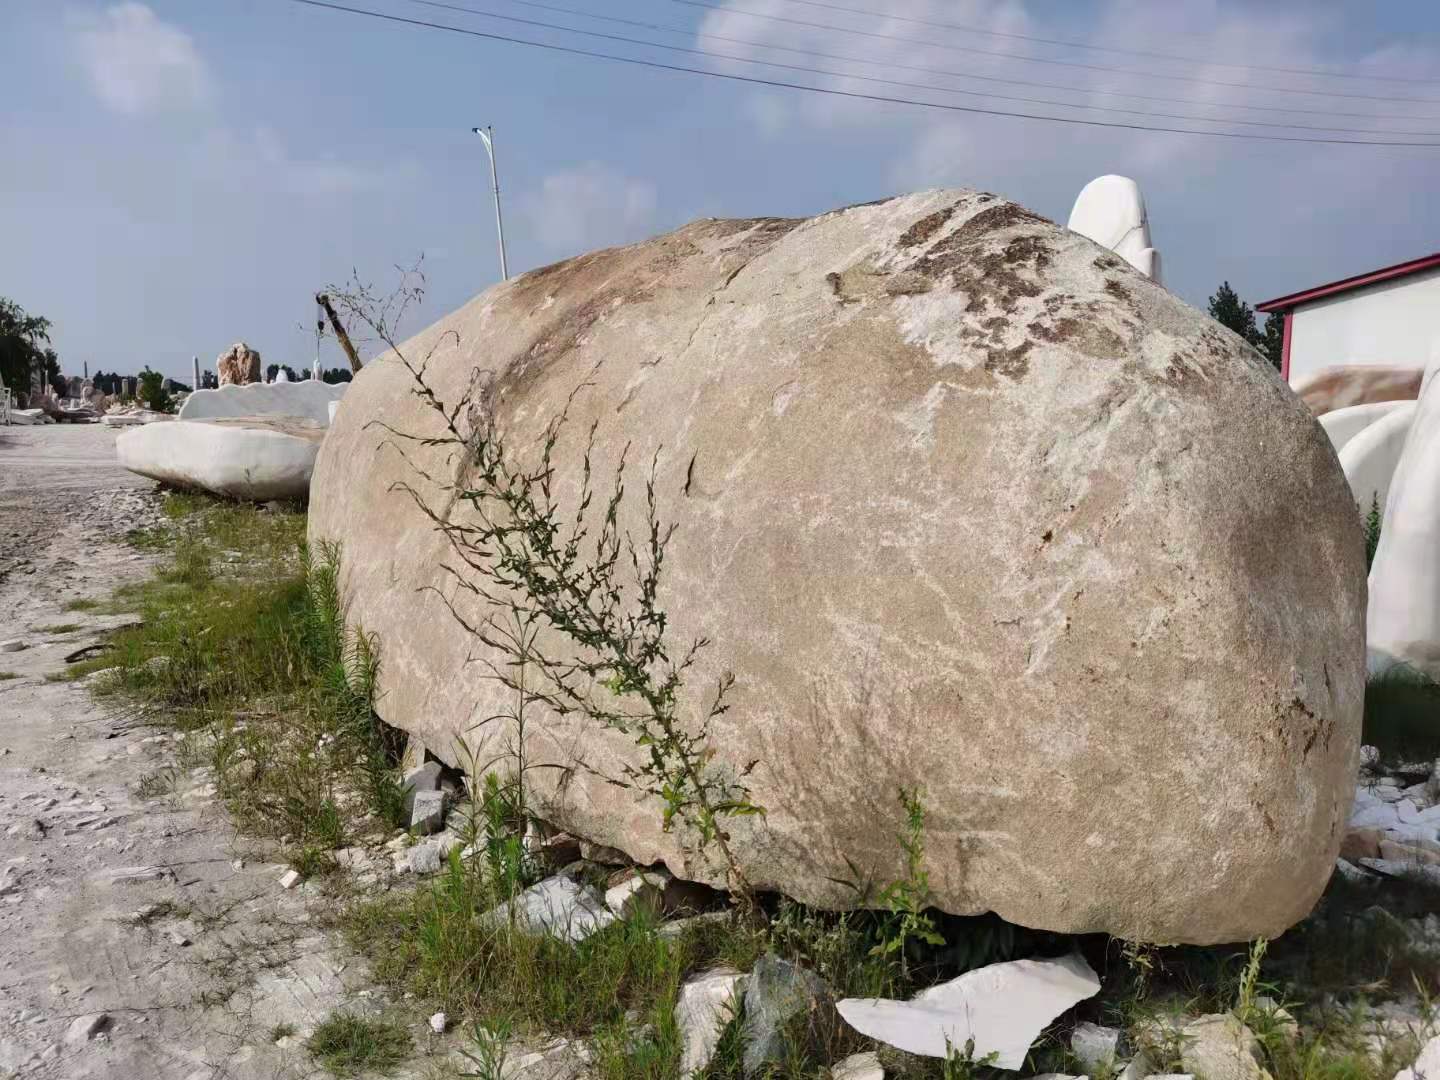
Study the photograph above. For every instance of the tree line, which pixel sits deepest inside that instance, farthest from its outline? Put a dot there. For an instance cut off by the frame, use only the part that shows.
(1228, 309)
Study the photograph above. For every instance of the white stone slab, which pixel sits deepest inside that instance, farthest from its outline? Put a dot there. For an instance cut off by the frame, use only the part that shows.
(309, 399)
(1003, 1007)
(258, 460)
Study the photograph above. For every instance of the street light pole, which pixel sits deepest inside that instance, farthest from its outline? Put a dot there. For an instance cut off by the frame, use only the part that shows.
(488, 135)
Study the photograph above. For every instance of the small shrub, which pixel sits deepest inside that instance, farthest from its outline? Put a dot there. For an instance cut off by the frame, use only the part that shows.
(1373, 521)
(347, 1045)
(1402, 715)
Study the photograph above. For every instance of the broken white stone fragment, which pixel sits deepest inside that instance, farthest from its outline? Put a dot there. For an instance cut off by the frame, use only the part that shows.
(290, 879)
(437, 1023)
(1220, 1047)
(427, 812)
(705, 1006)
(1426, 1065)
(1003, 1007)
(1095, 1047)
(859, 1067)
(556, 906)
(84, 1028)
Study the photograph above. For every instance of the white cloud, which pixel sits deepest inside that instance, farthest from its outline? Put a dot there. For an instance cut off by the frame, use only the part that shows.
(137, 63)
(587, 207)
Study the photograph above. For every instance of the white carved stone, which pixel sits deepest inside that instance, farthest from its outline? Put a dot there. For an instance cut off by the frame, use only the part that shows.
(1111, 211)
(1003, 1007)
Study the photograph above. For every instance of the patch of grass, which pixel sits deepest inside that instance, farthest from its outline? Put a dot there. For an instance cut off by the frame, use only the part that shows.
(82, 603)
(281, 1031)
(348, 1045)
(6, 675)
(59, 628)
(254, 656)
(1402, 715)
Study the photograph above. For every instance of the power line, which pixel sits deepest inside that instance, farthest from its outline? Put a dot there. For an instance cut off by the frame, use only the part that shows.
(1316, 72)
(1039, 59)
(688, 32)
(849, 94)
(915, 85)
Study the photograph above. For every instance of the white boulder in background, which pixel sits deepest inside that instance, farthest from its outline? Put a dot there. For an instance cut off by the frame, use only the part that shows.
(253, 458)
(1003, 1007)
(1371, 457)
(1342, 425)
(1111, 211)
(1403, 619)
(311, 400)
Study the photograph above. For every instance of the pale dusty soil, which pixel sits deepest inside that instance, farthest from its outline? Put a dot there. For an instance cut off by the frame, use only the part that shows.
(72, 819)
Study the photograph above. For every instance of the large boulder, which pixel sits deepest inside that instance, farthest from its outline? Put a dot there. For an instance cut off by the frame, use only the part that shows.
(966, 505)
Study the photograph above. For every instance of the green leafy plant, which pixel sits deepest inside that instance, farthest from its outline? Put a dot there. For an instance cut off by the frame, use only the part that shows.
(908, 897)
(527, 563)
(962, 1064)
(152, 393)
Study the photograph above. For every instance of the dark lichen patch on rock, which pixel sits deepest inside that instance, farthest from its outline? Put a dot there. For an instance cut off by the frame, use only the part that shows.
(1085, 333)
(1011, 362)
(991, 277)
(923, 230)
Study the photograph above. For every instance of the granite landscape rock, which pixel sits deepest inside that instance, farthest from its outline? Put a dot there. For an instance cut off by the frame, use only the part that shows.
(966, 505)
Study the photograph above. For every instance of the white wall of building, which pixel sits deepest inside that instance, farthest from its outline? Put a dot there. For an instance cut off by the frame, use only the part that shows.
(1394, 322)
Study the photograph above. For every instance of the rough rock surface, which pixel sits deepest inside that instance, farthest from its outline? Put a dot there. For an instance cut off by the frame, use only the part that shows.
(238, 365)
(965, 504)
(1220, 1047)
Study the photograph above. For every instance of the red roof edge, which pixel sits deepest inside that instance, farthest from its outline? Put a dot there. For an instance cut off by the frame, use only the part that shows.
(1414, 266)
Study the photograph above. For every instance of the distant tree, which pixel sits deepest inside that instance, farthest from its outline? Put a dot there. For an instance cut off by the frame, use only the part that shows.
(1228, 309)
(1272, 339)
(23, 341)
(336, 375)
(152, 392)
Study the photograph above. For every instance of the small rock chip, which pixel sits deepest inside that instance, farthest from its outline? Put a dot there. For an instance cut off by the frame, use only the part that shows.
(290, 879)
(1095, 1047)
(13, 645)
(859, 1067)
(427, 812)
(424, 859)
(84, 1028)
(437, 1023)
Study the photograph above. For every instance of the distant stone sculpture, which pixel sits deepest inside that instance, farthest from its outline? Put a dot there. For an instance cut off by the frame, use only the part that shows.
(1344, 385)
(281, 376)
(966, 544)
(1111, 211)
(1342, 425)
(74, 386)
(239, 365)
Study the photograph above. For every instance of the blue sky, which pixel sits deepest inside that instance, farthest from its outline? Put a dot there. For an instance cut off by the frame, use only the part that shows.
(177, 176)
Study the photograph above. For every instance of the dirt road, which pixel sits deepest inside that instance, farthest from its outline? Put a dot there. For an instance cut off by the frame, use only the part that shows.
(138, 937)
